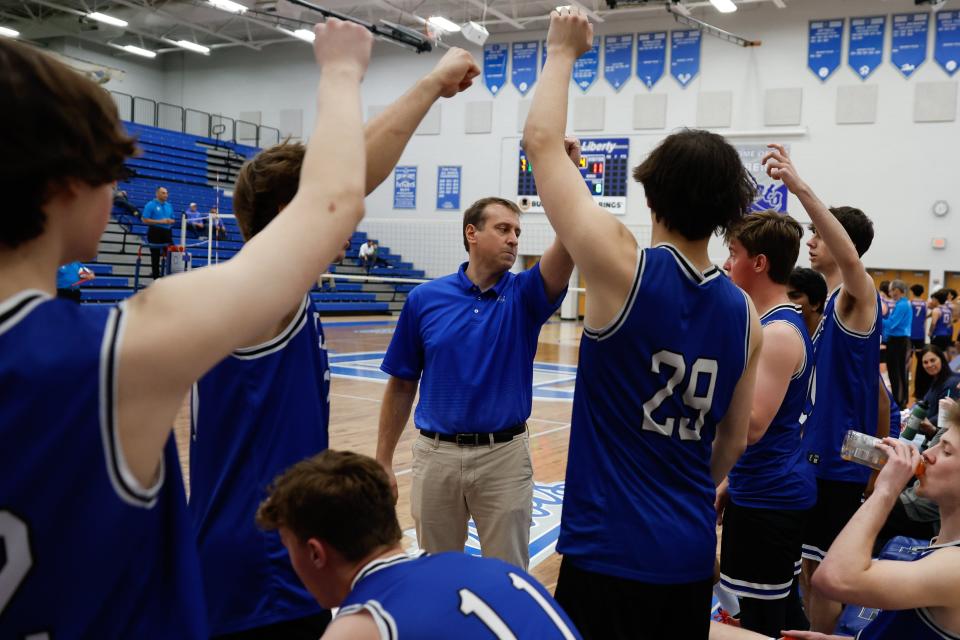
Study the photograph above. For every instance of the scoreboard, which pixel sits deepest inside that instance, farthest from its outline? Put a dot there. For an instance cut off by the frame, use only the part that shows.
(604, 164)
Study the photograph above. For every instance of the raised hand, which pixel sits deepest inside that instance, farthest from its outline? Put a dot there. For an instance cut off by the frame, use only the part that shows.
(902, 463)
(570, 31)
(779, 166)
(572, 147)
(454, 72)
(342, 44)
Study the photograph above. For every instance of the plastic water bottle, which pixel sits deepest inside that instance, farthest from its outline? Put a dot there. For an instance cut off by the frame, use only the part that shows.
(917, 416)
(862, 449)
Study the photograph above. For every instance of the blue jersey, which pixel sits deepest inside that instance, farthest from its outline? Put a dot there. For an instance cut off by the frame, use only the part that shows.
(87, 551)
(894, 412)
(651, 388)
(773, 473)
(255, 414)
(844, 393)
(944, 325)
(454, 595)
(912, 624)
(918, 323)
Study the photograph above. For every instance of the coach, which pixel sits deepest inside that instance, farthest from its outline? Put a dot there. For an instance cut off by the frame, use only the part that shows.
(470, 338)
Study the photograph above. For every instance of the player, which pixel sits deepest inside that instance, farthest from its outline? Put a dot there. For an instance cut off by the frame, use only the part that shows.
(336, 517)
(661, 409)
(771, 488)
(95, 537)
(242, 439)
(941, 320)
(845, 389)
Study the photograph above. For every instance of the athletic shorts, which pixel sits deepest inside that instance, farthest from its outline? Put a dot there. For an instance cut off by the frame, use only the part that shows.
(837, 501)
(918, 343)
(760, 551)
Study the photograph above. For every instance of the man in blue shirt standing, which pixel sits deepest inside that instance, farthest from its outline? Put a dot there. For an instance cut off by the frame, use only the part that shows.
(158, 216)
(472, 337)
(898, 329)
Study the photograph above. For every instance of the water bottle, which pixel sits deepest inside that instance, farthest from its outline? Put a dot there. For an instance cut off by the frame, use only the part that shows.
(917, 416)
(862, 449)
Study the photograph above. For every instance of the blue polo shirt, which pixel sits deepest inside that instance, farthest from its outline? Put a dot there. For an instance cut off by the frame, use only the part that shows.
(156, 210)
(899, 320)
(473, 349)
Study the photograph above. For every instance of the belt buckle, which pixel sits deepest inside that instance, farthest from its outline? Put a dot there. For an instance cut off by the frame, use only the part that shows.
(466, 439)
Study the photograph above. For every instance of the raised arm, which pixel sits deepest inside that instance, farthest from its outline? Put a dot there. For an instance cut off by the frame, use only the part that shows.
(731, 438)
(848, 573)
(602, 247)
(782, 354)
(387, 135)
(857, 283)
(183, 325)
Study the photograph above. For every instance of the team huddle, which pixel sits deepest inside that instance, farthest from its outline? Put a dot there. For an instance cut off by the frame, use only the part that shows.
(731, 407)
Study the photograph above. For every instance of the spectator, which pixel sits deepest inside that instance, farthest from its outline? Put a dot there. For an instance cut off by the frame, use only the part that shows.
(194, 219)
(368, 254)
(944, 383)
(69, 278)
(897, 327)
(158, 216)
(219, 230)
(120, 200)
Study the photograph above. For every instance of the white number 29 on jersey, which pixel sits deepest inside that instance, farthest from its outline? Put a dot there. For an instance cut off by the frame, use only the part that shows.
(700, 404)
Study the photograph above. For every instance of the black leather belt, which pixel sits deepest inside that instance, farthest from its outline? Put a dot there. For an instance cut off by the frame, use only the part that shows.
(477, 439)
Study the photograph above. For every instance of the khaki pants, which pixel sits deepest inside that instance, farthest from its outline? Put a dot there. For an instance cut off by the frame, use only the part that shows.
(492, 483)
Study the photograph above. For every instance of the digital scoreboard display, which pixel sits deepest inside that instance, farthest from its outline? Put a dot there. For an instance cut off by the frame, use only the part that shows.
(604, 165)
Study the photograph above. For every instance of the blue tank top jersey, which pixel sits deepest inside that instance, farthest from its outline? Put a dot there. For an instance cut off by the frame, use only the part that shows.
(773, 473)
(894, 412)
(651, 388)
(86, 551)
(255, 414)
(912, 624)
(844, 393)
(454, 595)
(887, 304)
(944, 326)
(918, 321)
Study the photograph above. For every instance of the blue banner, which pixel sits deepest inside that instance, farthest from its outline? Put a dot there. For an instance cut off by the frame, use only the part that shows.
(823, 52)
(617, 59)
(908, 41)
(865, 52)
(651, 57)
(684, 55)
(495, 67)
(523, 73)
(405, 188)
(587, 67)
(947, 49)
(770, 194)
(448, 188)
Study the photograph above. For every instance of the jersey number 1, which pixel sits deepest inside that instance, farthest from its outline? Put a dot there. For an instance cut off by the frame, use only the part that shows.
(700, 404)
(472, 604)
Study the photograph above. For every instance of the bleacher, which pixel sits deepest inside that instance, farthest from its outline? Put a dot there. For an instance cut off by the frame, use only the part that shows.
(203, 170)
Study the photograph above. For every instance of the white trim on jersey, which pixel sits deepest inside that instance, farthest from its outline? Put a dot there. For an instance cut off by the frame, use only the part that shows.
(382, 563)
(927, 618)
(796, 309)
(18, 306)
(611, 327)
(746, 337)
(279, 341)
(847, 330)
(811, 552)
(772, 591)
(124, 483)
(691, 271)
(386, 625)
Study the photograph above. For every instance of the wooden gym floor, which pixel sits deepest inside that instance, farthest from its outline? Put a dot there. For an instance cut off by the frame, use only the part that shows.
(355, 409)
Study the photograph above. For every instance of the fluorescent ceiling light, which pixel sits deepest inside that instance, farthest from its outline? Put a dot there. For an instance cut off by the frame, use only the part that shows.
(305, 34)
(10, 33)
(724, 6)
(228, 5)
(146, 53)
(104, 18)
(192, 46)
(442, 23)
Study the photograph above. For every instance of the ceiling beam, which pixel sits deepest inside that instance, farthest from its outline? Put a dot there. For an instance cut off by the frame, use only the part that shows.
(504, 17)
(192, 25)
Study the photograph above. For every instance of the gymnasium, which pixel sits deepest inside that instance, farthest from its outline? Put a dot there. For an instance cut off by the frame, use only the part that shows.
(479, 318)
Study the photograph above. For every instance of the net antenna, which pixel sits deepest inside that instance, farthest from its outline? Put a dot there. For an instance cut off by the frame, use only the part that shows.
(709, 29)
(389, 31)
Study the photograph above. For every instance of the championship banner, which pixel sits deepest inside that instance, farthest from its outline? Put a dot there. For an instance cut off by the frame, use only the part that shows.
(651, 57)
(495, 67)
(405, 188)
(523, 61)
(448, 188)
(946, 51)
(684, 55)
(618, 59)
(865, 52)
(908, 41)
(823, 52)
(587, 67)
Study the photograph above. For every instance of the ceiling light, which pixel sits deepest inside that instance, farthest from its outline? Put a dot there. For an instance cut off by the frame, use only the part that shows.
(228, 5)
(146, 53)
(104, 18)
(192, 46)
(305, 34)
(442, 23)
(10, 33)
(724, 6)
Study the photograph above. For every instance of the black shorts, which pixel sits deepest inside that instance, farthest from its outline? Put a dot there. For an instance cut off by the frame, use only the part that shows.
(608, 607)
(836, 503)
(760, 551)
(918, 343)
(943, 342)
